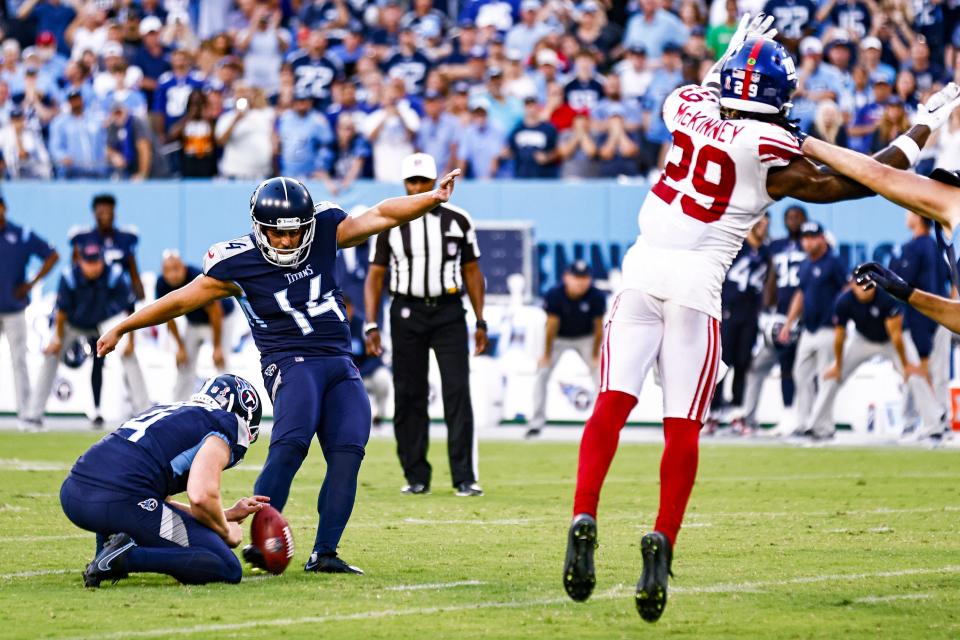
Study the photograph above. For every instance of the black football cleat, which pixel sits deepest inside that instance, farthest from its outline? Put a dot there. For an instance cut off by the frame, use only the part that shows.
(110, 563)
(415, 489)
(578, 574)
(652, 589)
(468, 490)
(254, 557)
(329, 563)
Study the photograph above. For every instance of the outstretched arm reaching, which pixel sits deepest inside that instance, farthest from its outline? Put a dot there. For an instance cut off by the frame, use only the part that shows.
(199, 293)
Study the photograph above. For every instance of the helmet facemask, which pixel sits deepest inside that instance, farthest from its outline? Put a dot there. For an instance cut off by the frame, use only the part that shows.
(291, 257)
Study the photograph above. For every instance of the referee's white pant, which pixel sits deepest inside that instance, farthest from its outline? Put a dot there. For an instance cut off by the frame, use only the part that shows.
(14, 326)
(193, 338)
(814, 355)
(584, 347)
(857, 350)
(133, 375)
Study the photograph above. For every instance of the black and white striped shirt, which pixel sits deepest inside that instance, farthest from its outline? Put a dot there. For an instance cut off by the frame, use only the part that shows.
(425, 256)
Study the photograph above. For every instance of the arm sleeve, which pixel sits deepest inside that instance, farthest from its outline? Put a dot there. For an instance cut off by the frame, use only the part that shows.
(777, 147)
(381, 250)
(215, 266)
(841, 312)
(37, 246)
(64, 295)
(471, 248)
(551, 302)
(599, 306)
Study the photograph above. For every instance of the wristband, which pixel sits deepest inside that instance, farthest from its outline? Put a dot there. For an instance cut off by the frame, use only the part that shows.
(370, 326)
(908, 146)
(481, 325)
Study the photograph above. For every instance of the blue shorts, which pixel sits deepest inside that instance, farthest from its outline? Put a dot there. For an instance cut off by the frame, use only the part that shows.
(318, 396)
(146, 518)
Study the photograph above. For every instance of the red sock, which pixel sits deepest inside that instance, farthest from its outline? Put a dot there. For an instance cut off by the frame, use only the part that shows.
(597, 447)
(678, 470)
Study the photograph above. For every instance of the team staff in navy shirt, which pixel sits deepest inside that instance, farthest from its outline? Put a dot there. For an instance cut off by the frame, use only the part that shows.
(203, 325)
(17, 246)
(878, 331)
(533, 145)
(89, 293)
(821, 278)
(575, 312)
(741, 300)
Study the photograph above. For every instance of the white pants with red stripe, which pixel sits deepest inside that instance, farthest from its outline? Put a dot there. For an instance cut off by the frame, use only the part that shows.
(683, 342)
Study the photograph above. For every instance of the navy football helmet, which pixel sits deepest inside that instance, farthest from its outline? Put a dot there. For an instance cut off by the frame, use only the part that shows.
(283, 204)
(236, 395)
(76, 353)
(758, 77)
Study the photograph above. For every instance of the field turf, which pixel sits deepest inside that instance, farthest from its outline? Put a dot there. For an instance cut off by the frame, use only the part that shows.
(780, 543)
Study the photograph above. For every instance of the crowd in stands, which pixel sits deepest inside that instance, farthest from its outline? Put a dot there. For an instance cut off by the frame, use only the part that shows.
(337, 90)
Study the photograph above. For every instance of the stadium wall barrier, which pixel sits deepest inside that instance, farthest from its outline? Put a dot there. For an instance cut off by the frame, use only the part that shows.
(594, 220)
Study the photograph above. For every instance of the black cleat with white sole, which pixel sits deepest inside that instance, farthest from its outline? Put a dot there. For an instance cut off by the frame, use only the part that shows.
(651, 594)
(254, 557)
(578, 573)
(111, 562)
(329, 563)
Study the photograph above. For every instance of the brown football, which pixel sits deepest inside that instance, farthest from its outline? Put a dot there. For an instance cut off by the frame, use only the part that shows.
(271, 534)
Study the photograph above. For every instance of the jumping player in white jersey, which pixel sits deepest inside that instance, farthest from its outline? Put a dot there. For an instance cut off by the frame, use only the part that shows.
(733, 155)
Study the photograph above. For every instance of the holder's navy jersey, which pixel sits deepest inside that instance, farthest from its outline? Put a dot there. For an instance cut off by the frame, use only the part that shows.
(153, 452)
(296, 311)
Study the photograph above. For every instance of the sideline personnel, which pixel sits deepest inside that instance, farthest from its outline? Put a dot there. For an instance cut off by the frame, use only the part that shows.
(432, 260)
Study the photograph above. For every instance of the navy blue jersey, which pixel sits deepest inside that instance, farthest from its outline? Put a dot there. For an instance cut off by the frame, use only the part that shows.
(117, 246)
(792, 17)
(787, 256)
(526, 142)
(869, 318)
(583, 95)
(17, 246)
(87, 303)
(293, 312)
(821, 281)
(315, 75)
(152, 453)
(576, 316)
(742, 292)
(412, 69)
(198, 316)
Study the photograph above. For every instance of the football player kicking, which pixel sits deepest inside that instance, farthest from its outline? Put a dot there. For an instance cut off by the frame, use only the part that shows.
(732, 156)
(935, 198)
(121, 487)
(284, 275)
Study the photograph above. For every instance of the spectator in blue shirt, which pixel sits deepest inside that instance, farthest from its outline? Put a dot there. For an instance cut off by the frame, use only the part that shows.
(480, 143)
(618, 152)
(504, 110)
(54, 62)
(794, 19)
(653, 27)
(613, 100)
(51, 16)
(17, 246)
(665, 79)
(174, 88)
(151, 56)
(533, 145)
(302, 134)
(583, 93)
(526, 33)
(78, 142)
(408, 63)
(347, 159)
(868, 117)
(89, 294)
(438, 133)
(816, 81)
(314, 70)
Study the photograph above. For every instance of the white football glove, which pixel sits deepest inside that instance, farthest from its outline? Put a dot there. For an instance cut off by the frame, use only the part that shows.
(758, 27)
(936, 111)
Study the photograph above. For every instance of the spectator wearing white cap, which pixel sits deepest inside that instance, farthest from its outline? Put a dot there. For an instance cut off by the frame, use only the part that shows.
(634, 73)
(871, 52)
(548, 71)
(22, 150)
(816, 81)
(151, 56)
(525, 34)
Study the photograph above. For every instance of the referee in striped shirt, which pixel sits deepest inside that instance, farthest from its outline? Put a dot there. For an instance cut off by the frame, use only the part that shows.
(432, 260)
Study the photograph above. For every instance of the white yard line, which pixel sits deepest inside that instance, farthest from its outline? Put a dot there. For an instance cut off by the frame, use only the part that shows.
(617, 592)
(435, 586)
(37, 573)
(72, 536)
(15, 464)
(894, 598)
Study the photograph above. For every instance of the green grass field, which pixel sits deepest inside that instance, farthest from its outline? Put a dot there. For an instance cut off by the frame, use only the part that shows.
(780, 543)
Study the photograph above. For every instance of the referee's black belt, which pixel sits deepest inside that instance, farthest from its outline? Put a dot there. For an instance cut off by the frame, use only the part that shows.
(432, 301)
